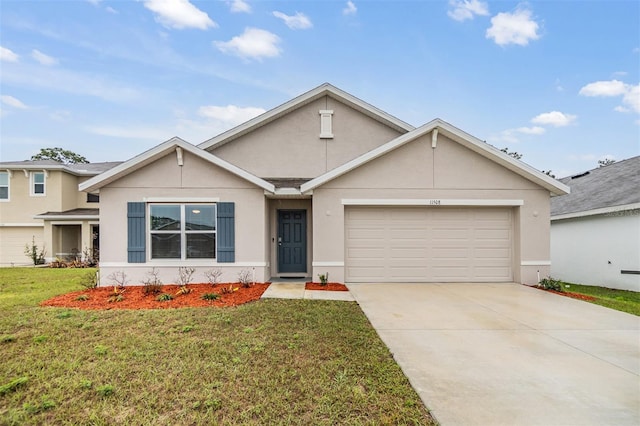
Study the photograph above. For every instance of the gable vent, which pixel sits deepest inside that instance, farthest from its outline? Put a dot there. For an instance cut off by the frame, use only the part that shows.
(326, 125)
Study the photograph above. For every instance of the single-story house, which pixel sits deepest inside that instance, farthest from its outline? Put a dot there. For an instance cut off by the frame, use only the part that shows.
(595, 230)
(327, 183)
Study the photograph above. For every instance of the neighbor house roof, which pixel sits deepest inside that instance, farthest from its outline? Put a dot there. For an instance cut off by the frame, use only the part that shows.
(174, 144)
(457, 135)
(605, 189)
(87, 169)
(325, 89)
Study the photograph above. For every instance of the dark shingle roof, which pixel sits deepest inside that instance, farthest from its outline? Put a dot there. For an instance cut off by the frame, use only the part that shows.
(617, 184)
(74, 212)
(90, 169)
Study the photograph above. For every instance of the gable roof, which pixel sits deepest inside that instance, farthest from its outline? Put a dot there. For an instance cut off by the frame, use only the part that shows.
(455, 134)
(85, 169)
(601, 190)
(161, 150)
(325, 89)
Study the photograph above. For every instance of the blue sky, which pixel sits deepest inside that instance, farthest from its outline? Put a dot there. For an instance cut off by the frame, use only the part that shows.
(557, 81)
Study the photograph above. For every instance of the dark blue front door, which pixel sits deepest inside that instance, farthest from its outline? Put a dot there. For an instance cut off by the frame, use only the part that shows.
(292, 241)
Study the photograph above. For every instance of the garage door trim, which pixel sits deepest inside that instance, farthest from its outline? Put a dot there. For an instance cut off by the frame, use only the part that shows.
(431, 202)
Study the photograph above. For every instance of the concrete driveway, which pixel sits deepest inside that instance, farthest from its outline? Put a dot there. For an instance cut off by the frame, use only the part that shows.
(507, 354)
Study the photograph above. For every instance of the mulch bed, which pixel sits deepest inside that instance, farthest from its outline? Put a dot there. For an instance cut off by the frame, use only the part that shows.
(569, 294)
(134, 297)
(328, 287)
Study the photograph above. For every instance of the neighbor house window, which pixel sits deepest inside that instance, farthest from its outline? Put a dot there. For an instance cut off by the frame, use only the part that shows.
(37, 183)
(4, 186)
(182, 231)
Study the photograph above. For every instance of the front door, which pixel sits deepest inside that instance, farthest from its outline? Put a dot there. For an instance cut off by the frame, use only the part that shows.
(292, 241)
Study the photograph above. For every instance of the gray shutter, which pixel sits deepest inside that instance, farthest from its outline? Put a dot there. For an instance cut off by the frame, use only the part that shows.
(136, 235)
(226, 231)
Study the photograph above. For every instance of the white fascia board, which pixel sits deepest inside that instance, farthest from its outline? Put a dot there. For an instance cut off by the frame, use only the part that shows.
(535, 263)
(160, 151)
(68, 218)
(22, 225)
(297, 102)
(320, 264)
(180, 200)
(594, 212)
(433, 202)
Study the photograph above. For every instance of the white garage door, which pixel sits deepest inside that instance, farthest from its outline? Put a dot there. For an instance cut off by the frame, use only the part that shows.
(421, 244)
(13, 240)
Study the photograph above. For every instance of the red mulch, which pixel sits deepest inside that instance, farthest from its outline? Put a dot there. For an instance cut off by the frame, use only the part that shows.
(134, 297)
(569, 294)
(329, 286)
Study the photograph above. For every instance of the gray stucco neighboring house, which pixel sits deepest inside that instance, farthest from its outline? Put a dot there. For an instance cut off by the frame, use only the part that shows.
(595, 230)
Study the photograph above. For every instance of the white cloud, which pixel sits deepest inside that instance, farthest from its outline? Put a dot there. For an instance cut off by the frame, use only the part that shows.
(535, 130)
(513, 28)
(42, 58)
(252, 43)
(554, 118)
(12, 102)
(467, 9)
(179, 14)
(230, 114)
(111, 10)
(350, 9)
(7, 55)
(299, 21)
(239, 6)
(630, 93)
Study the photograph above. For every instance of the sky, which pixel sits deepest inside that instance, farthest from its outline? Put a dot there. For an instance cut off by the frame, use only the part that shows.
(556, 81)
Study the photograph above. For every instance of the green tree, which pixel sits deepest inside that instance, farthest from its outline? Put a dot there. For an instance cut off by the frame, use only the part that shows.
(606, 162)
(513, 154)
(60, 155)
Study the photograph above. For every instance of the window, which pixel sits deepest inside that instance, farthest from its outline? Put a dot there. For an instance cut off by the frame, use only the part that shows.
(37, 183)
(93, 198)
(4, 186)
(182, 231)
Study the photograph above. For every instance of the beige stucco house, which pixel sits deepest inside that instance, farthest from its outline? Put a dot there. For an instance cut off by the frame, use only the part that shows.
(40, 203)
(328, 183)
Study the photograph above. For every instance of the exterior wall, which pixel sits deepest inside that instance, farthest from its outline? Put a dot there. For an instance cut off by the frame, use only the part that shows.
(199, 180)
(593, 250)
(291, 146)
(272, 239)
(417, 171)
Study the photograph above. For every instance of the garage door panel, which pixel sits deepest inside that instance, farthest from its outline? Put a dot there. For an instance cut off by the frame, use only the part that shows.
(428, 244)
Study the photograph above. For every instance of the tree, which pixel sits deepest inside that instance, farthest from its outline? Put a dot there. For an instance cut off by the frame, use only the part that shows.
(606, 162)
(513, 154)
(61, 155)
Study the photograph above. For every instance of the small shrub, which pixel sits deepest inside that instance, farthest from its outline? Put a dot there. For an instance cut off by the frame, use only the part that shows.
(89, 280)
(105, 390)
(245, 277)
(183, 290)
(119, 278)
(34, 253)
(551, 284)
(164, 297)
(210, 296)
(152, 284)
(213, 276)
(324, 278)
(230, 289)
(13, 385)
(82, 298)
(185, 275)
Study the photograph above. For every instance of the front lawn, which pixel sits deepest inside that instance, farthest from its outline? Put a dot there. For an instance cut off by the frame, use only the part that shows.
(266, 362)
(621, 300)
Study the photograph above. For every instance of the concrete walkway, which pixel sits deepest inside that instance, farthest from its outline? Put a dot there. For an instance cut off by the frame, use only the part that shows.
(507, 354)
(296, 290)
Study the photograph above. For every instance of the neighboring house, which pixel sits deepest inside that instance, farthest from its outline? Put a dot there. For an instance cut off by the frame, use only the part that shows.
(328, 183)
(595, 230)
(40, 202)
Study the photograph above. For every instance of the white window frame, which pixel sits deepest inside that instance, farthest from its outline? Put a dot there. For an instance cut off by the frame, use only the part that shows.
(33, 183)
(8, 186)
(183, 233)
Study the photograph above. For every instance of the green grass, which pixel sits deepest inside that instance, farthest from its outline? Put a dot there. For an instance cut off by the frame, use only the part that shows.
(267, 362)
(621, 300)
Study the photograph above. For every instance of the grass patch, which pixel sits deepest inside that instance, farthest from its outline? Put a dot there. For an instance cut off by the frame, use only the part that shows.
(267, 362)
(620, 300)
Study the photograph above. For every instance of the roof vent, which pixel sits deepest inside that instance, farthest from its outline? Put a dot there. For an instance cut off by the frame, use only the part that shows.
(580, 175)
